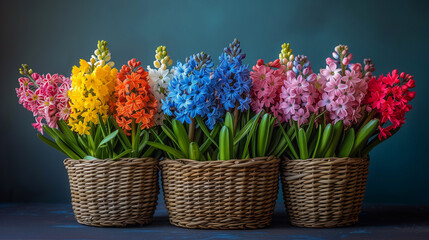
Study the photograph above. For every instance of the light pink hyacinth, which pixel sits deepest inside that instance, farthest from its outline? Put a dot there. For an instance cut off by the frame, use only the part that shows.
(343, 86)
(299, 95)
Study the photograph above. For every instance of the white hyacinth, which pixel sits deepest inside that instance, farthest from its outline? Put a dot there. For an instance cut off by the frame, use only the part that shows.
(159, 78)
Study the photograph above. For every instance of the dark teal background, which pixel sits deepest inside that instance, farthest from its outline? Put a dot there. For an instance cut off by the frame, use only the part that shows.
(52, 36)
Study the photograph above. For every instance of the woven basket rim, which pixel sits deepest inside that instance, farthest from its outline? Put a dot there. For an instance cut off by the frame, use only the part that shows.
(329, 158)
(231, 163)
(109, 160)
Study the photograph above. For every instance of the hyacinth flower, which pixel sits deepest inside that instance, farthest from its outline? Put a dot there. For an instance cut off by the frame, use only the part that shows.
(159, 78)
(191, 92)
(267, 81)
(286, 57)
(190, 100)
(134, 107)
(93, 85)
(45, 96)
(92, 133)
(388, 100)
(233, 81)
(343, 86)
(299, 95)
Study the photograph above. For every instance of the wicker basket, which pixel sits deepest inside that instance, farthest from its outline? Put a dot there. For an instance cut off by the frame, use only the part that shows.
(233, 194)
(118, 193)
(324, 192)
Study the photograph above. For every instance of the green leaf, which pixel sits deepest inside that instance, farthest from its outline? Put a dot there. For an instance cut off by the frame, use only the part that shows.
(338, 132)
(374, 142)
(122, 154)
(326, 139)
(182, 137)
(207, 143)
(194, 151)
(108, 138)
(50, 143)
(229, 123)
(319, 136)
(122, 135)
(176, 153)
(310, 126)
(289, 142)
(250, 136)
(57, 135)
(263, 135)
(67, 150)
(302, 144)
(363, 135)
(224, 144)
(144, 140)
(347, 144)
(206, 130)
(65, 129)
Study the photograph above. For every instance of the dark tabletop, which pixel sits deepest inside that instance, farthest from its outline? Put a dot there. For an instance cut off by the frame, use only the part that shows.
(56, 221)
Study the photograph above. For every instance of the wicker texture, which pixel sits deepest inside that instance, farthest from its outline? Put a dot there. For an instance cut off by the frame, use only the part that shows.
(324, 192)
(118, 193)
(233, 194)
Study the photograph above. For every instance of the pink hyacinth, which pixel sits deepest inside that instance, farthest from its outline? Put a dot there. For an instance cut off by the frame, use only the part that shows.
(299, 96)
(47, 97)
(344, 86)
(267, 80)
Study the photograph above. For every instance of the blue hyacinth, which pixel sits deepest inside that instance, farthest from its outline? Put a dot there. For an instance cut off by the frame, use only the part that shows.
(233, 79)
(192, 91)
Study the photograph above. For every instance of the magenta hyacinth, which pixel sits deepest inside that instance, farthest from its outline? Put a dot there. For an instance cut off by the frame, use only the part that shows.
(46, 96)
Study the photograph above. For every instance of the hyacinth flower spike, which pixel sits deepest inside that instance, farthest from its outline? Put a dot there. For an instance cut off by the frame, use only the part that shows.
(233, 81)
(159, 78)
(134, 107)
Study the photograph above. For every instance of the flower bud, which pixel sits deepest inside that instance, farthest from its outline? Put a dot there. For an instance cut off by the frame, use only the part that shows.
(156, 64)
(170, 62)
(329, 61)
(402, 75)
(306, 71)
(163, 66)
(335, 55)
(346, 61)
(110, 64)
(158, 56)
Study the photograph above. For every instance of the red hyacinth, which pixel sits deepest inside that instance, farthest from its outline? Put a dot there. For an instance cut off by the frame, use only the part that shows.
(388, 97)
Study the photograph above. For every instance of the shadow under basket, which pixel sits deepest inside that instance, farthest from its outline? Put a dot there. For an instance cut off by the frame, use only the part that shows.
(324, 192)
(113, 193)
(232, 194)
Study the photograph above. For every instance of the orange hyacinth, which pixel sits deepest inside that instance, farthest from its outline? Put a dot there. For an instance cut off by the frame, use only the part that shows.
(134, 102)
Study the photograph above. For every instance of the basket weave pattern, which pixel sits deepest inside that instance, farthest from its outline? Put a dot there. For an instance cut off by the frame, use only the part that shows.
(233, 194)
(118, 193)
(324, 192)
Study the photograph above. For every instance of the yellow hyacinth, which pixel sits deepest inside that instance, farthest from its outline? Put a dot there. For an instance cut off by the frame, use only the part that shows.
(93, 85)
(286, 55)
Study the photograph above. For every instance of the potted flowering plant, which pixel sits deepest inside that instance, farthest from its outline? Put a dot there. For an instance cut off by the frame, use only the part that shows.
(333, 121)
(220, 171)
(99, 118)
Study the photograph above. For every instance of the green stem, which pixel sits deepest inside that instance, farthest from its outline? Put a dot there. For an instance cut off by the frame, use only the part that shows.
(191, 132)
(236, 117)
(133, 136)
